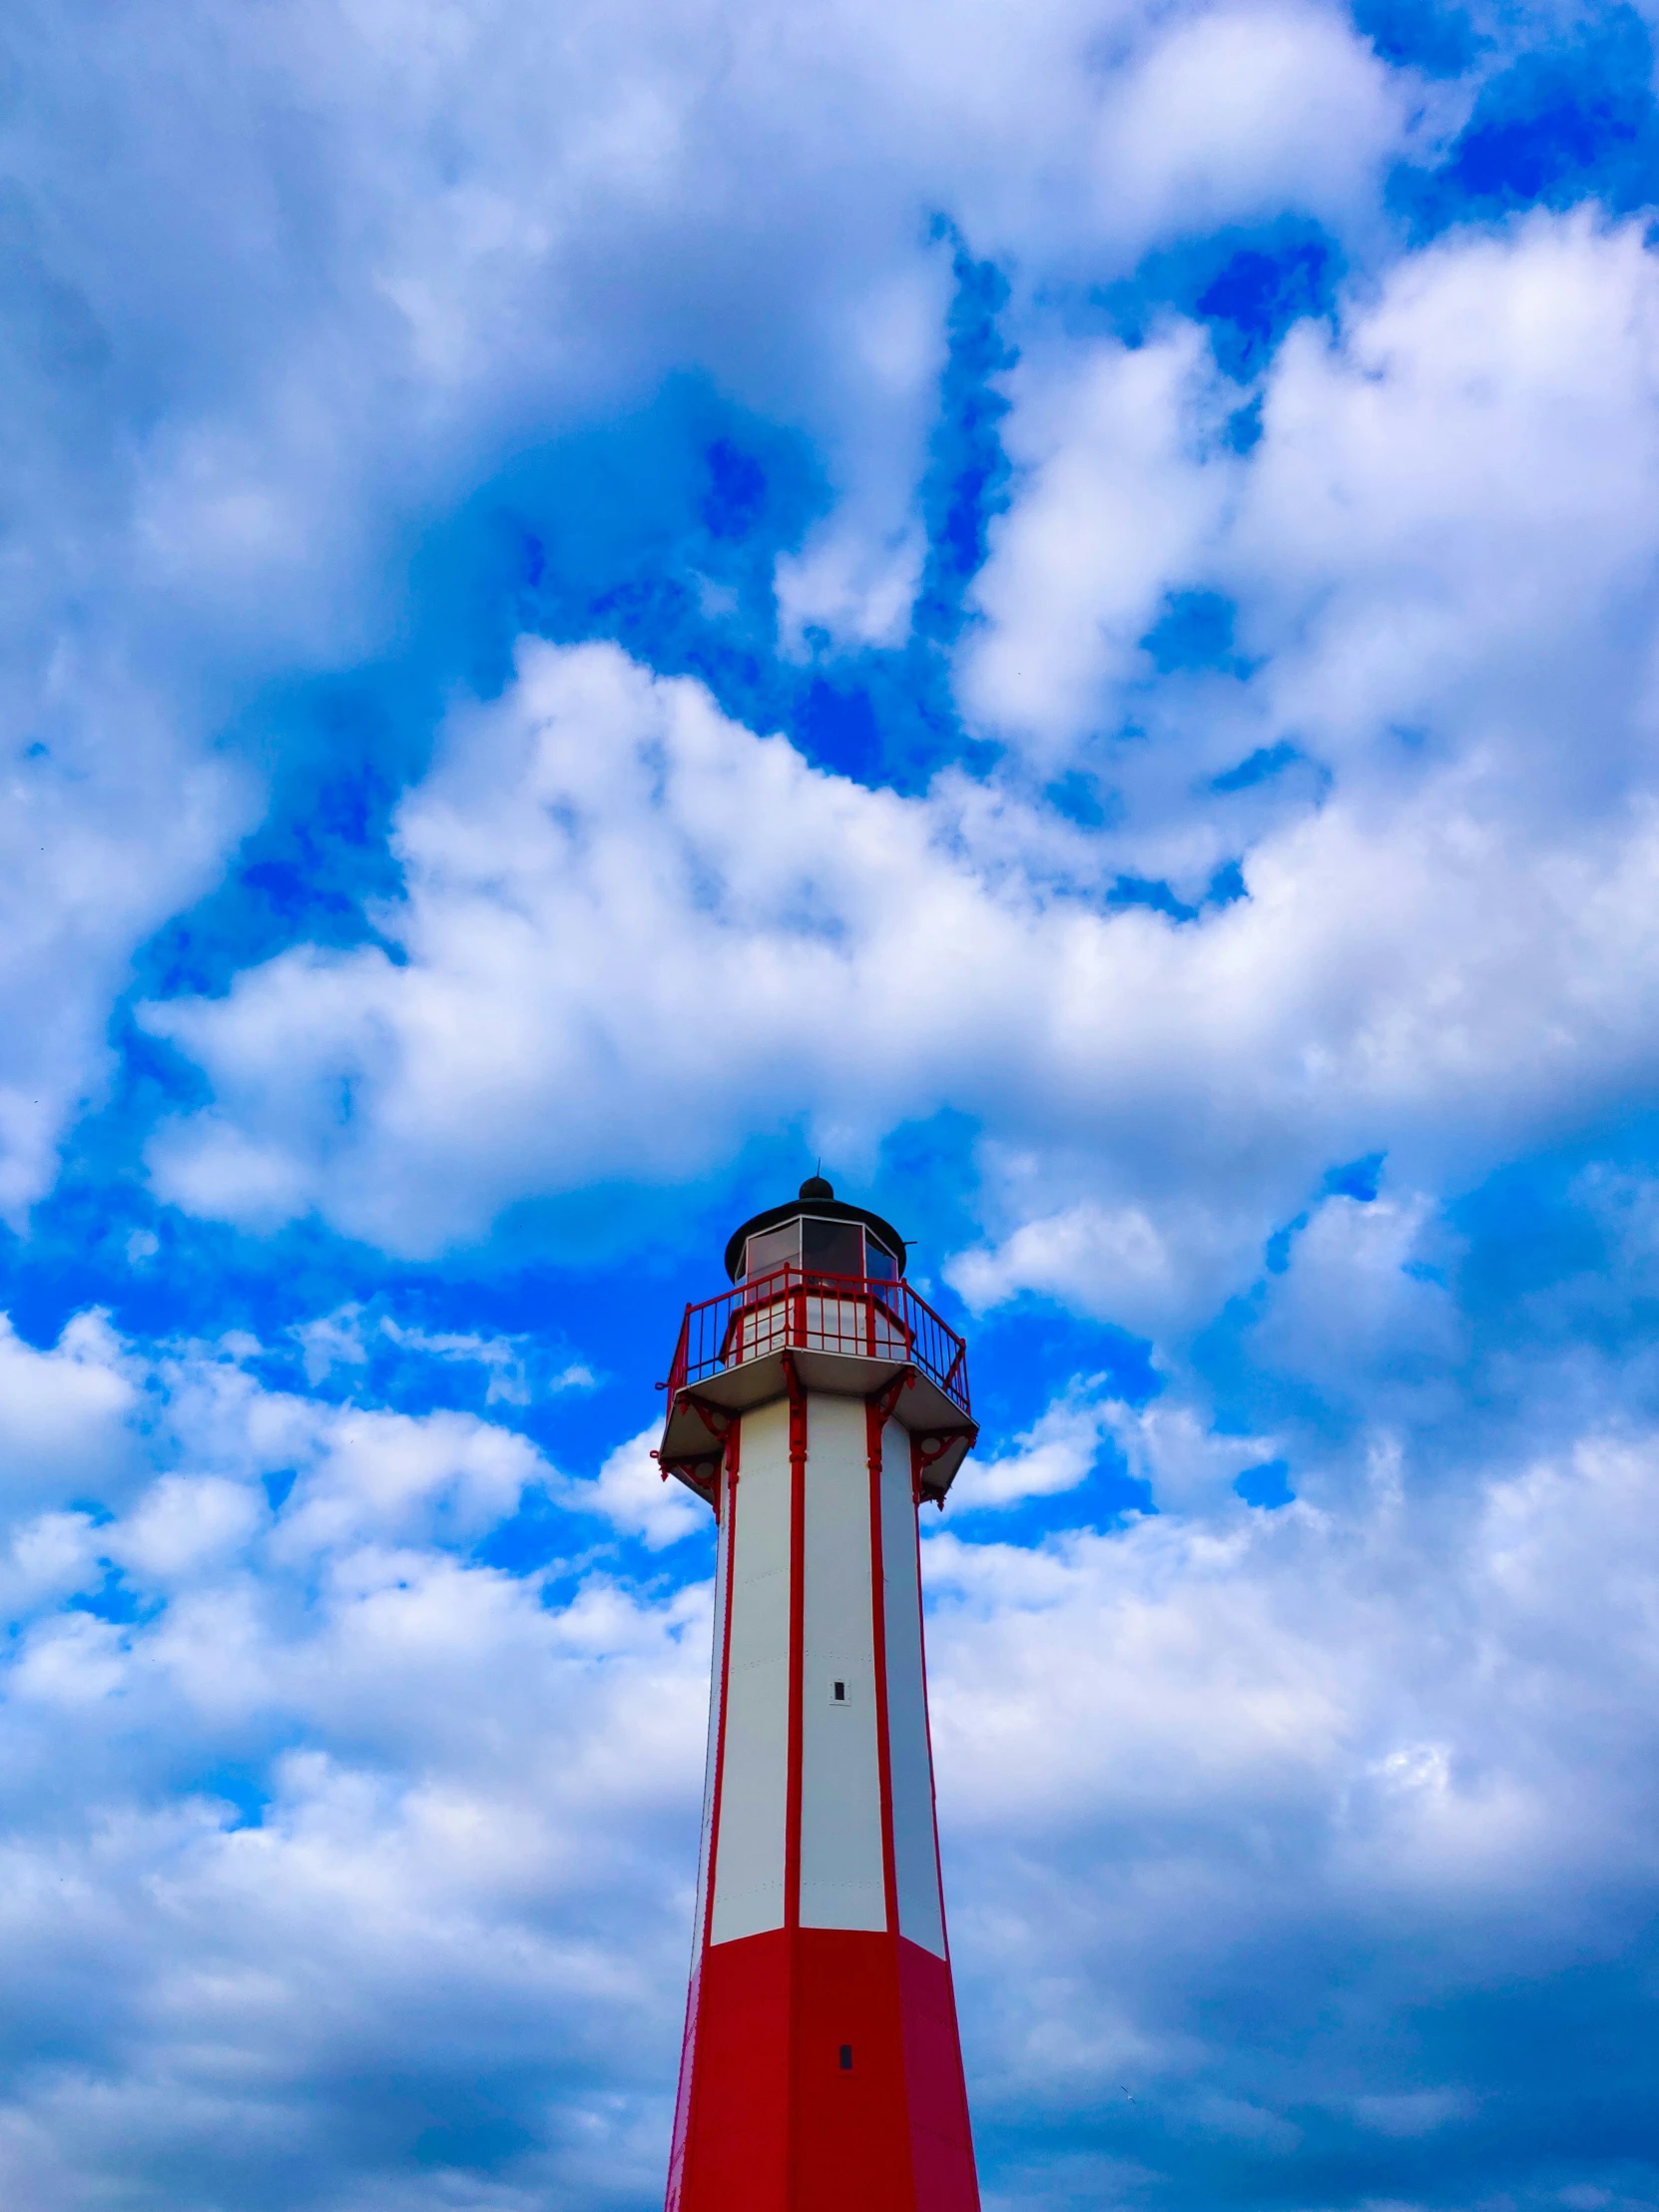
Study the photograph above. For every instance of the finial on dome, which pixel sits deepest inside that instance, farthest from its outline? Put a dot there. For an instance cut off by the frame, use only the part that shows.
(816, 1187)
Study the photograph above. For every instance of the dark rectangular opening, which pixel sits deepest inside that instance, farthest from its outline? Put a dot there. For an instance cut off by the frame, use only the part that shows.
(841, 1693)
(847, 2058)
(831, 1248)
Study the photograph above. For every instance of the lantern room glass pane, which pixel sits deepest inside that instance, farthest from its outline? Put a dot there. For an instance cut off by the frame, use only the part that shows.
(831, 1248)
(773, 1247)
(879, 1261)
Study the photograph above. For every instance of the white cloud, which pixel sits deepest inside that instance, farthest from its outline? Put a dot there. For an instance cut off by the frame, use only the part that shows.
(1113, 1261)
(184, 1520)
(1168, 1445)
(1447, 956)
(1238, 113)
(631, 1493)
(1358, 1302)
(62, 1411)
(397, 1474)
(1410, 590)
(855, 590)
(1407, 576)
(48, 1559)
(332, 1340)
(474, 1801)
(1189, 1467)
(464, 1795)
(1400, 977)
(68, 1660)
(517, 1367)
(1301, 1734)
(1128, 480)
(1055, 1453)
(230, 406)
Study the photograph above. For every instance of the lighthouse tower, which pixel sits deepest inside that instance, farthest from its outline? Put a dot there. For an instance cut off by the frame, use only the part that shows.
(817, 1405)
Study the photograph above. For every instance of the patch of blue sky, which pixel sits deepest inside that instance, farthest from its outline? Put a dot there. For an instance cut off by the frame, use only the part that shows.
(968, 474)
(1194, 632)
(1248, 283)
(479, 2134)
(1225, 1358)
(337, 753)
(907, 725)
(279, 1487)
(1267, 1485)
(1256, 768)
(241, 1786)
(1016, 1351)
(1082, 797)
(1360, 1178)
(1567, 115)
(1556, 1247)
(1224, 887)
(113, 1599)
(1435, 37)
(661, 531)
(1260, 291)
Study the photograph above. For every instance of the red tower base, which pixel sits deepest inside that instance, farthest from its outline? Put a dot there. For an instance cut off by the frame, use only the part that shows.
(822, 2074)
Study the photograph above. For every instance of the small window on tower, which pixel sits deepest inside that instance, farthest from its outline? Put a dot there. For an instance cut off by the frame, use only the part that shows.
(847, 2058)
(837, 1690)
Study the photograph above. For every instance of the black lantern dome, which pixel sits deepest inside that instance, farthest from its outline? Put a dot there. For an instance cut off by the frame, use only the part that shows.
(821, 1232)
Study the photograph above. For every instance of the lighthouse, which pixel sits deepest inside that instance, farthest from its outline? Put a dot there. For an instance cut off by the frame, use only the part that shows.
(817, 1404)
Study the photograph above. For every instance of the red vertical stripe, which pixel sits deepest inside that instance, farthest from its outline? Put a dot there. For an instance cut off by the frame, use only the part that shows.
(797, 1668)
(797, 1641)
(728, 1538)
(875, 1420)
(926, 1715)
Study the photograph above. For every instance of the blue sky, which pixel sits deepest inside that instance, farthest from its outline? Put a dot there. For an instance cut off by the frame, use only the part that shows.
(1055, 607)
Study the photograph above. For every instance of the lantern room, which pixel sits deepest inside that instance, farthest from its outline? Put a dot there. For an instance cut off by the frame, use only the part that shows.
(819, 1301)
(821, 1235)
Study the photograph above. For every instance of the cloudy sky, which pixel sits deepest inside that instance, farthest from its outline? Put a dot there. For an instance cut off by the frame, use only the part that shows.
(1056, 605)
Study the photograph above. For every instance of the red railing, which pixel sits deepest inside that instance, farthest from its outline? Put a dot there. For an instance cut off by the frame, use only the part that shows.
(795, 1310)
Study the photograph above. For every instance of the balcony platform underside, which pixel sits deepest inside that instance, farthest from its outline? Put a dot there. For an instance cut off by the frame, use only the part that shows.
(691, 1450)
